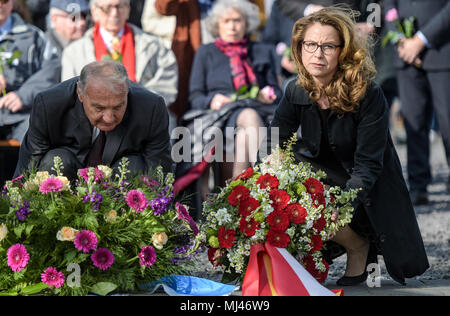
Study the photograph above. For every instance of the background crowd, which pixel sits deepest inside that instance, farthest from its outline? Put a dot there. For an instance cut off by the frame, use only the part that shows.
(198, 56)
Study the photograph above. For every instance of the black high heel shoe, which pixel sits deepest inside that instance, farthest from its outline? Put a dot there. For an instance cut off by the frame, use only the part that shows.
(355, 280)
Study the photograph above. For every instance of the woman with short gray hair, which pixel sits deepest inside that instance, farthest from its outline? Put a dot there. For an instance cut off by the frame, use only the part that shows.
(248, 10)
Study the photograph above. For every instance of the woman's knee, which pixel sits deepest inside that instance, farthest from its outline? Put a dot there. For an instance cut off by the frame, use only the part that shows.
(249, 117)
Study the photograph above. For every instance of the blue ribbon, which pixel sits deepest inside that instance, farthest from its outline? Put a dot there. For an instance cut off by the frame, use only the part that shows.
(182, 285)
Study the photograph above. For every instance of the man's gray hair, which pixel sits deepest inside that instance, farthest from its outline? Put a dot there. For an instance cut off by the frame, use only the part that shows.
(249, 10)
(110, 73)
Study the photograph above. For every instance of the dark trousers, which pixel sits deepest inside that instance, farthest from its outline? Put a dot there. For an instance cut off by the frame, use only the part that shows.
(72, 164)
(420, 93)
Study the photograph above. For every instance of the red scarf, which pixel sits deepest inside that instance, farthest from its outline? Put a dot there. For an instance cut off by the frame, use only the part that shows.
(126, 49)
(241, 71)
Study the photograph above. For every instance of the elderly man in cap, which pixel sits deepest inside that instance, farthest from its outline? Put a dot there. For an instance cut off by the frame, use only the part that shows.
(68, 22)
(147, 60)
(36, 69)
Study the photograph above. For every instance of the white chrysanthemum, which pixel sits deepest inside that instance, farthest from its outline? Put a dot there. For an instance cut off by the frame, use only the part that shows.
(223, 217)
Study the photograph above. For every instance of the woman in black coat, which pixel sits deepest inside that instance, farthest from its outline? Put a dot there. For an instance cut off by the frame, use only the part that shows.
(343, 116)
(236, 78)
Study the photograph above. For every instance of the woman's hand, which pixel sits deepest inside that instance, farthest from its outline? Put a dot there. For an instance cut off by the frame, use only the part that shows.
(334, 216)
(218, 101)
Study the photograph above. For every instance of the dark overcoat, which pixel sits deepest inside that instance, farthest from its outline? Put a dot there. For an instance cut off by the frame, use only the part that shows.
(362, 144)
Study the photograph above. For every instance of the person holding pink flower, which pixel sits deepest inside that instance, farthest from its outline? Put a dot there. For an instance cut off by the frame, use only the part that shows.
(423, 76)
(234, 78)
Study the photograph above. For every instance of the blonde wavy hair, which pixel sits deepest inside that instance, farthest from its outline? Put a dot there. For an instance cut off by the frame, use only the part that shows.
(355, 69)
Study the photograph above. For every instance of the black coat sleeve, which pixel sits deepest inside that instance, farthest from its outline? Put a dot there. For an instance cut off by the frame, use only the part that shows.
(37, 141)
(371, 139)
(157, 147)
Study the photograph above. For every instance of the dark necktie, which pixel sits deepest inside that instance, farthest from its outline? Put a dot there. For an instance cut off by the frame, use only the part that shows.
(95, 155)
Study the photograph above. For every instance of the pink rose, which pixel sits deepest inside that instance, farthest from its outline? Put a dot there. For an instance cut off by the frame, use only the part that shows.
(392, 15)
(281, 48)
(269, 92)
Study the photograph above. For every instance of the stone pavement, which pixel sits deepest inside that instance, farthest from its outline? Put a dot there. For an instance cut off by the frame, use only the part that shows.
(392, 288)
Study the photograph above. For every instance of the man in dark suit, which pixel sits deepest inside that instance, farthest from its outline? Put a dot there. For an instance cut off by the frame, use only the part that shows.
(423, 78)
(95, 119)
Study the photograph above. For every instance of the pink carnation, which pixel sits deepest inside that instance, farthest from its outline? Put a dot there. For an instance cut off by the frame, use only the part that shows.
(137, 200)
(84, 173)
(51, 185)
(102, 258)
(392, 15)
(147, 256)
(85, 241)
(18, 257)
(52, 277)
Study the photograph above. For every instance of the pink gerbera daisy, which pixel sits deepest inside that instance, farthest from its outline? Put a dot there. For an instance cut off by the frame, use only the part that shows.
(85, 241)
(102, 258)
(18, 257)
(137, 200)
(147, 256)
(52, 277)
(51, 185)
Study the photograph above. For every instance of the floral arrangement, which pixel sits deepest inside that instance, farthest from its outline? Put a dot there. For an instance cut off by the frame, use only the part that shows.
(281, 202)
(405, 28)
(99, 234)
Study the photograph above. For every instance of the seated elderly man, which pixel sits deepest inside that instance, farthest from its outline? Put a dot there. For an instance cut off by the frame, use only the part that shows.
(96, 119)
(68, 22)
(36, 69)
(147, 60)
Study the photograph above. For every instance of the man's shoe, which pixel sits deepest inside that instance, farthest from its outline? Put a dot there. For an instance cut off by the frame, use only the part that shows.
(419, 197)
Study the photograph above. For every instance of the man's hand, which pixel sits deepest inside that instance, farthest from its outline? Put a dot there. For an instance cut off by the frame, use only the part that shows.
(219, 101)
(11, 102)
(410, 48)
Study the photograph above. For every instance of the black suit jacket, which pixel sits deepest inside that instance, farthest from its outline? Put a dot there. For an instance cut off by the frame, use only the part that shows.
(433, 19)
(58, 121)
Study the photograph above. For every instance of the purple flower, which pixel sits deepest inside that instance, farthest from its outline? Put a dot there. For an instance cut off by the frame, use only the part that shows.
(23, 212)
(95, 198)
(161, 203)
(102, 258)
(183, 214)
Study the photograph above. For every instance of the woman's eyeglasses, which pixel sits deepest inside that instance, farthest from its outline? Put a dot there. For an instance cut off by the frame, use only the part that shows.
(327, 49)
